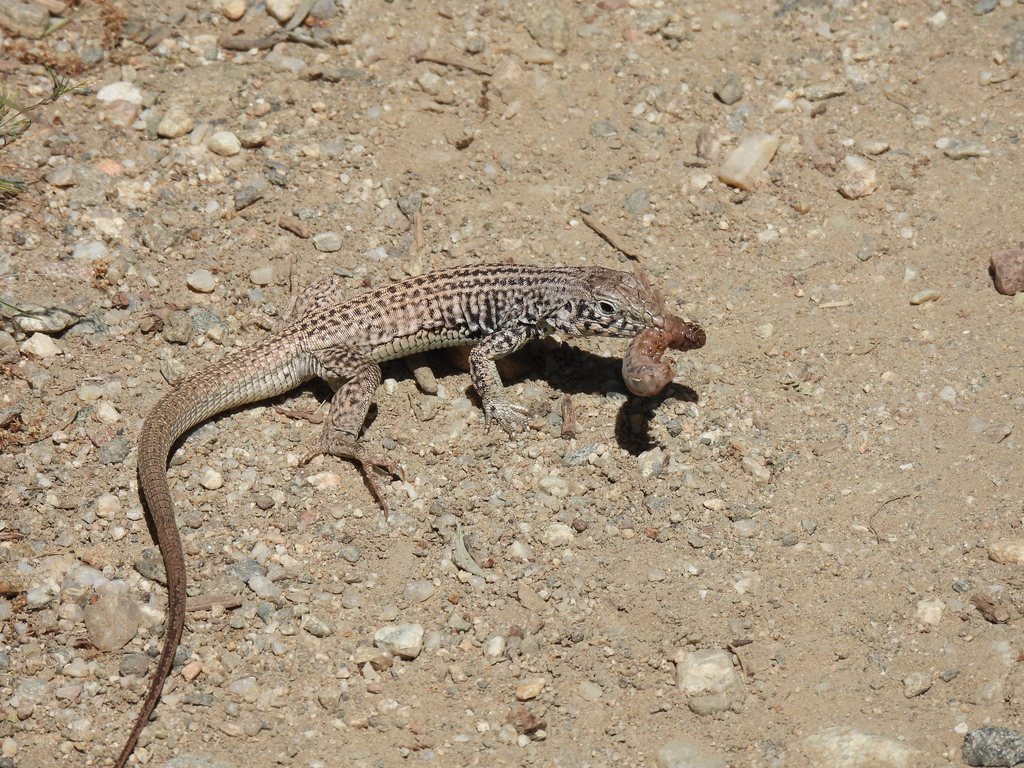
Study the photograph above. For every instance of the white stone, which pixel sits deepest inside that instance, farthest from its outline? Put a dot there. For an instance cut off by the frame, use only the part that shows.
(708, 671)
(107, 506)
(282, 10)
(405, 640)
(929, 611)
(224, 143)
(40, 345)
(494, 649)
(121, 91)
(557, 534)
(841, 747)
(201, 281)
(175, 123)
(90, 250)
(262, 275)
(748, 161)
(1007, 551)
(684, 753)
(430, 83)
(233, 10)
(211, 479)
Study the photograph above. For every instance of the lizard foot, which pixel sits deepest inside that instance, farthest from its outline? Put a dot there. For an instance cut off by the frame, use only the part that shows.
(372, 464)
(511, 418)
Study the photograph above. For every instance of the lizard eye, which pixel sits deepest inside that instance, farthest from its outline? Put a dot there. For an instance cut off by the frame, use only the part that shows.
(606, 307)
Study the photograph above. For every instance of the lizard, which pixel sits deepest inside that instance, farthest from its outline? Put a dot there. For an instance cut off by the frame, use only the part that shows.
(495, 308)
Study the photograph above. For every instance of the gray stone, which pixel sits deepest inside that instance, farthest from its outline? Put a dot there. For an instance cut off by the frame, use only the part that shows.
(916, 683)
(133, 665)
(549, 27)
(25, 19)
(178, 327)
(251, 191)
(729, 89)
(114, 451)
(602, 128)
(418, 591)
(961, 149)
(637, 202)
(994, 746)
(984, 6)
(316, 627)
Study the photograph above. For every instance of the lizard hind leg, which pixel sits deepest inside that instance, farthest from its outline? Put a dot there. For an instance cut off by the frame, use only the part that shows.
(349, 407)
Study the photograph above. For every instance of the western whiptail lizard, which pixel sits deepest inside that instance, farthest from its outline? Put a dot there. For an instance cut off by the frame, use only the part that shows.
(496, 308)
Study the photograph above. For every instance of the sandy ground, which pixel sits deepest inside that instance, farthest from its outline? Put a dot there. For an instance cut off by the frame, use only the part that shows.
(820, 496)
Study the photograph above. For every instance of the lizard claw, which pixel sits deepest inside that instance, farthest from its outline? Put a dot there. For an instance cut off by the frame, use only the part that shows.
(369, 462)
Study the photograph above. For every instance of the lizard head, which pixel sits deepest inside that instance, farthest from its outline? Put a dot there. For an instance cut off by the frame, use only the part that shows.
(618, 304)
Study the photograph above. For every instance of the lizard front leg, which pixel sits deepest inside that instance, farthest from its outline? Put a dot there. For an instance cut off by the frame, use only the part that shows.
(349, 406)
(497, 409)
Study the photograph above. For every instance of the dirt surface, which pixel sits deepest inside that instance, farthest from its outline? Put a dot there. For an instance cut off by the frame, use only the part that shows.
(820, 494)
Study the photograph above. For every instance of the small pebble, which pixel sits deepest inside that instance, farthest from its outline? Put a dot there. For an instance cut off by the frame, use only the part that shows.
(602, 128)
(916, 683)
(637, 202)
(252, 190)
(929, 611)
(961, 149)
(530, 689)
(121, 91)
(404, 640)
(984, 6)
(706, 672)
(327, 242)
(744, 164)
(822, 91)
(494, 648)
(121, 113)
(41, 346)
(62, 176)
(994, 746)
(1007, 551)
(264, 588)
(211, 479)
(682, 752)
(558, 534)
(262, 275)
(316, 627)
(282, 10)
(549, 27)
(922, 297)
(418, 591)
(112, 621)
(224, 143)
(853, 748)
(1007, 268)
(90, 250)
(729, 89)
(175, 123)
(201, 281)
(233, 10)
(589, 691)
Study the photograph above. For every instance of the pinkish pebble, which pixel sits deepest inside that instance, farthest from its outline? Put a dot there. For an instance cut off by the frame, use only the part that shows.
(1008, 271)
